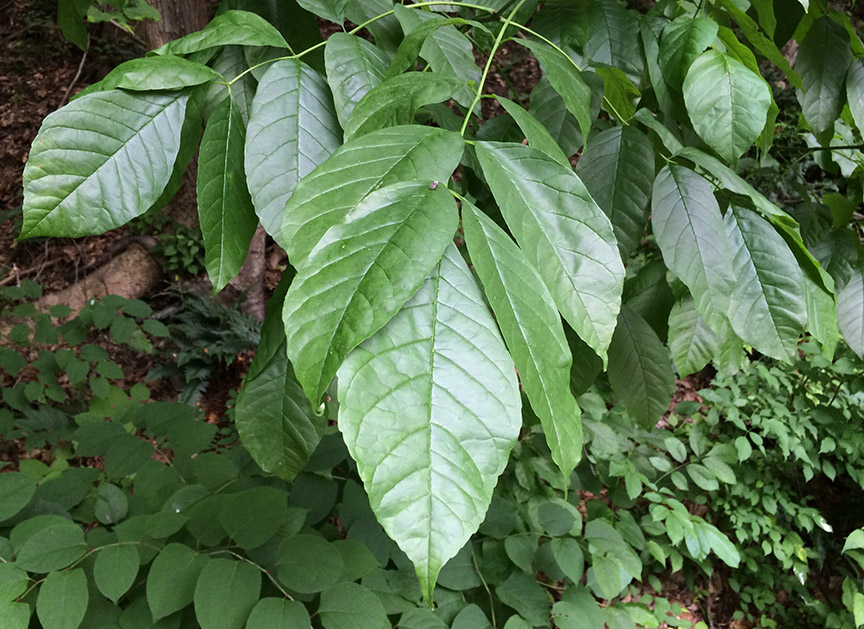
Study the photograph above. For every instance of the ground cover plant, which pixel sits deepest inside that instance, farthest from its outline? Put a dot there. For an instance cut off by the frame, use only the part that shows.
(435, 251)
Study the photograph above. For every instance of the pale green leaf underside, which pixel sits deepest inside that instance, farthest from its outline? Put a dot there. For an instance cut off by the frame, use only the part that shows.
(241, 28)
(430, 410)
(767, 308)
(639, 369)
(532, 329)
(100, 161)
(855, 92)
(689, 230)
(618, 170)
(684, 39)
(354, 66)
(567, 238)
(692, 343)
(727, 103)
(850, 312)
(358, 167)
(823, 60)
(395, 101)
(225, 210)
(292, 130)
(361, 273)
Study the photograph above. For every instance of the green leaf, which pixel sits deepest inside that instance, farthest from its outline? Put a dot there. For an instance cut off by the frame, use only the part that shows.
(532, 329)
(224, 208)
(720, 544)
(172, 578)
(682, 41)
(360, 274)
(13, 582)
(549, 109)
(727, 103)
(536, 134)
(567, 80)
(855, 92)
(332, 10)
(16, 490)
(722, 471)
(855, 541)
(522, 592)
(115, 570)
(47, 542)
(703, 477)
(430, 410)
(277, 425)
(70, 17)
(618, 170)
(767, 307)
(100, 161)
(421, 618)
(331, 191)
(692, 343)
(607, 574)
(568, 555)
(565, 235)
(158, 73)
(354, 66)
(270, 613)
(351, 606)
(612, 40)
(471, 617)
(231, 63)
(689, 229)
(578, 609)
(240, 28)
(620, 95)
(62, 601)
(850, 312)
(225, 594)
(111, 504)
(639, 370)
(395, 101)
(447, 51)
(253, 516)
(824, 57)
(309, 564)
(292, 130)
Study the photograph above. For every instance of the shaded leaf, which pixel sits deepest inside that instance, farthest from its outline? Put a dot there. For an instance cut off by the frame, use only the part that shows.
(351, 606)
(823, 60)
(62, 600)
(47, 542)
(692, 343)
(536, 134)
(850, 312)
(278, 612)
(171, 580)
(115, 570)
(225, 593)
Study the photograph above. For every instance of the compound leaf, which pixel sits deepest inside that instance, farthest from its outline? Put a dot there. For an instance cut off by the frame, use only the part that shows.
(430, 409)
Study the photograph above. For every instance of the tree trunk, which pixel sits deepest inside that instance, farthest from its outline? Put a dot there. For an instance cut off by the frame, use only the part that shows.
(179, 17)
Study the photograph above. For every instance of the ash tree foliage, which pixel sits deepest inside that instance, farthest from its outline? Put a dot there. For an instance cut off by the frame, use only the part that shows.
(443, 265)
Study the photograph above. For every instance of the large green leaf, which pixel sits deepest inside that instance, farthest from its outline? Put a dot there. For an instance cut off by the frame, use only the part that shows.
(352, 606)
(767, 307)
(16, 490)
(354, 66)
(692, 343)
(332, 10)
(326, 195)
(689, 229)
(567, 80)
(47, 542)
(100, 161)
(361, 273)
(430, 409)
(292, 130)
(62, 601)
(115, 570)
(850, 312)
(395, 101)
(618, 170)
(226, 593)
(241, 28)
(564, 234)
(157, 73)
(171, 580)
(684, 39)
(612, 38)
(532, 329)
(447, 51)
(824, 57)
(727, 103)
(271, 612)
(231, 63)
(536, 134)
(855, 92)
(639, 369)
(224, 208)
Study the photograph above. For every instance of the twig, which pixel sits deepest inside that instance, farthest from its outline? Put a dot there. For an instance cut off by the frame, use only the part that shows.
(77, 74)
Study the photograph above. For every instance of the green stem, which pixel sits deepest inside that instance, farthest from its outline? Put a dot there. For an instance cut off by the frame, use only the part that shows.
(263, 570)
(478, 94)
